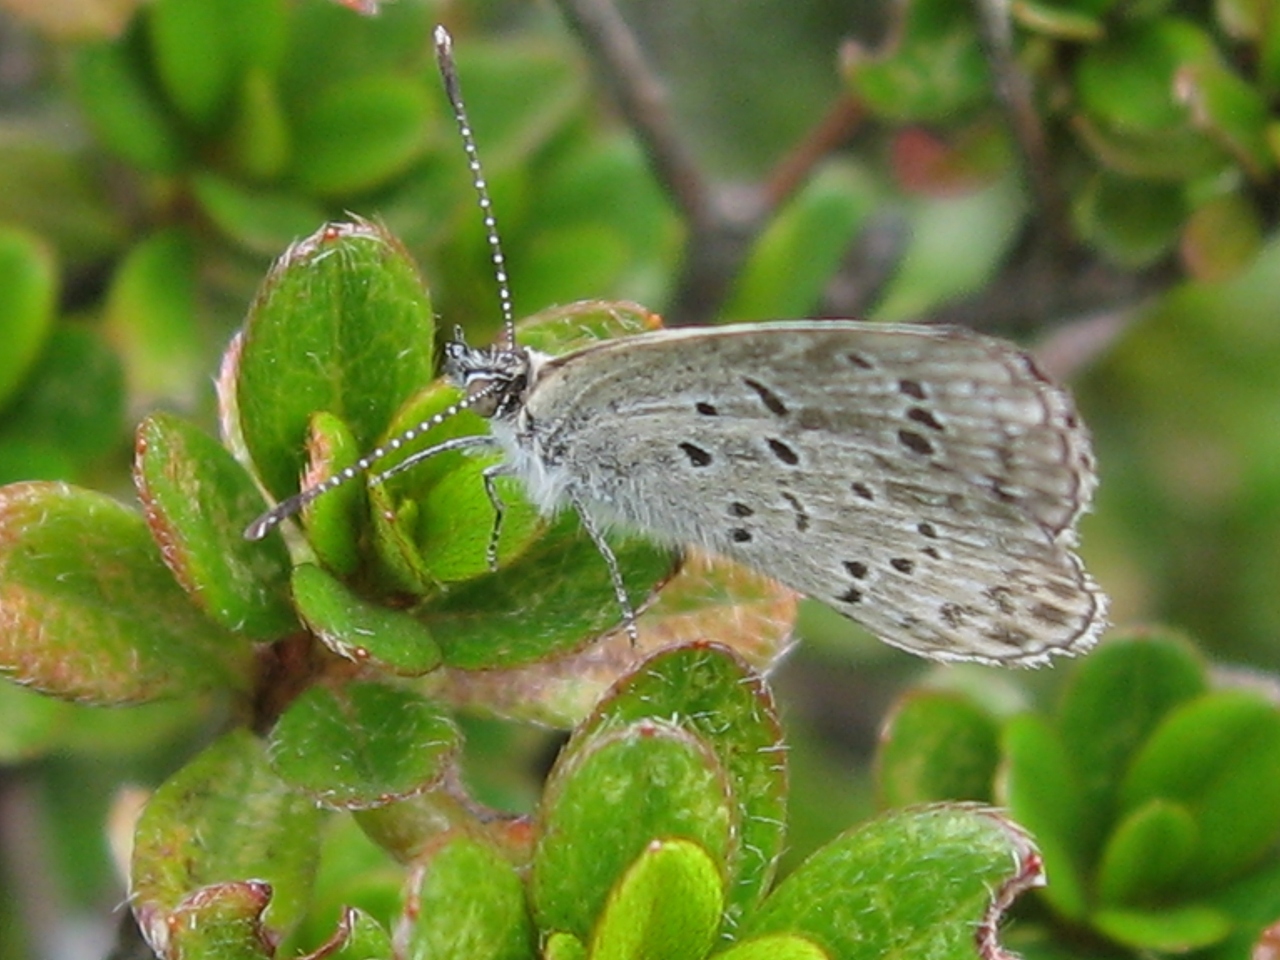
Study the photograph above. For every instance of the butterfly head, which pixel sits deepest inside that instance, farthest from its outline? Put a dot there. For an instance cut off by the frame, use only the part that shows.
(495, 379)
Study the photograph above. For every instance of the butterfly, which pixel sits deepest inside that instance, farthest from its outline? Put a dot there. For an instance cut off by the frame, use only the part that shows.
(924, 481)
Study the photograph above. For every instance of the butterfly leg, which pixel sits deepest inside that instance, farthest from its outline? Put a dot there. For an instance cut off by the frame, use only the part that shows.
(615, 574)
(499, 508)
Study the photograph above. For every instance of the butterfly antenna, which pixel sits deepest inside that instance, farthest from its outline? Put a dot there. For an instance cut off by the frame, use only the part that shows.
(452, 89)
(293, 505)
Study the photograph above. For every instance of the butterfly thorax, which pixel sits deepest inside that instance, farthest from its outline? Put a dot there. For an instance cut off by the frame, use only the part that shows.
(498, 381)
(495, 379)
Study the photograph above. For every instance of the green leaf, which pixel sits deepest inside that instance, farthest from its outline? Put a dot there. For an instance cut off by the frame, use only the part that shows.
(1114, 698)
(608, 801)
(914, 883)
(1130, 117)
(1133, 221)
(347, 45)
(467, 902)
(409, 828)
(88, 610)
(259, 138)
(191, 44)
(341, 324)
(1146, 854)
(557, 597)
(443, 538)
(930, 67)
(355, 136)
(936, 746)
(1169, 930)
(1176, 156)
(151, 316)
(1253, 903)
(666, 906)
(71, 409)
(220, 921)
(1037, 785)
(28, 296)
(224, 820)
(362, 745)
(774, 946)
(707, 598)
(1126, 82)
(197, 501)
(1219, 755)
(260, 219)
(362, 632)
(358, 937)
(125, 113)
(710, 692)
(1231, 111)
(564, 946)
(331, 521)
(792, 263)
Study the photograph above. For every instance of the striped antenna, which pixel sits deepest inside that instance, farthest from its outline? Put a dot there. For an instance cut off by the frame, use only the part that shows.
(287, 508)
(291, 506)
(453, 90)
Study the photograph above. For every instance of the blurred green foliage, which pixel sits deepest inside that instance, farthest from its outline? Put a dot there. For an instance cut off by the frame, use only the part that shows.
(1152, 796)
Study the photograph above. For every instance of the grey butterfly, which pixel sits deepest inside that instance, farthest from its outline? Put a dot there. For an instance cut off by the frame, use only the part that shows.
(924, 481)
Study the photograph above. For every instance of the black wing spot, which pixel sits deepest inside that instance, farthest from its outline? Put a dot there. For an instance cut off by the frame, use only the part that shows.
(927, 529)
(740, 510)
(902, 564)
(770, 399)
(706, 409)
(783, 452)
(932, 553)
(911, 388)
(857, 569)
(739, 535)
(802, 515)
(852, 595)
(915, 442)
(860, 361)
(697, 456)
(862, 490)
(921, 415)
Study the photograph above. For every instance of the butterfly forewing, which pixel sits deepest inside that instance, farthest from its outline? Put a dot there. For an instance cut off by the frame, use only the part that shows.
(923, 481)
